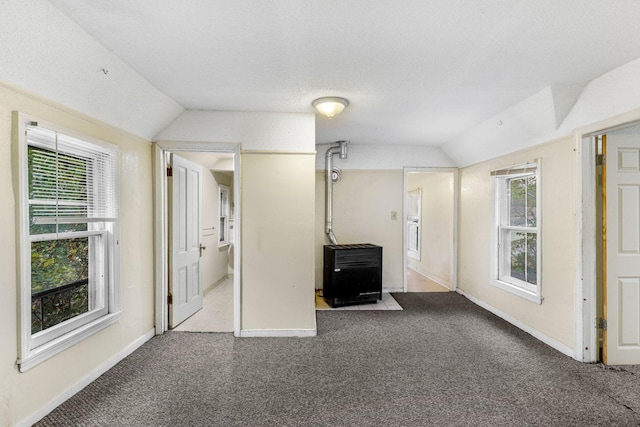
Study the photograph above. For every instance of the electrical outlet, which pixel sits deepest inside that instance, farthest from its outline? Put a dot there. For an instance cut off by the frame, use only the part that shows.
(394, 215)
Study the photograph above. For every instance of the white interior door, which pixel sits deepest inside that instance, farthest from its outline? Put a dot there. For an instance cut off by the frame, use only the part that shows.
(185, 201)
(622, 309)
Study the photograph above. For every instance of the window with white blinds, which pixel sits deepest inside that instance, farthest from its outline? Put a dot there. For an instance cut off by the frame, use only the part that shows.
(69, 208)
(70, 181)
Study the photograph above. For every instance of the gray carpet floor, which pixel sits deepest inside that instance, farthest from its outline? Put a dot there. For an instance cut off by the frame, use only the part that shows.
(443, 361)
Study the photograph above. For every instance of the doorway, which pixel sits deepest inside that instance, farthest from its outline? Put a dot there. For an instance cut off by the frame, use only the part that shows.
(215, 313)
(221, 244)
(609, 324)
(430, 229)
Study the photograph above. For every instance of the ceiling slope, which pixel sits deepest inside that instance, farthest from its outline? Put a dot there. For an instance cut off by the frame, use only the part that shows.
(46, 53)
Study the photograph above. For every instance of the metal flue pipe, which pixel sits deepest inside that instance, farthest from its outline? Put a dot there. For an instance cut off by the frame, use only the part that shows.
(340, 149)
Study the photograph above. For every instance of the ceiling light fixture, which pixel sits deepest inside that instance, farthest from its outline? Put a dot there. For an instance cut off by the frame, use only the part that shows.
(330, 105)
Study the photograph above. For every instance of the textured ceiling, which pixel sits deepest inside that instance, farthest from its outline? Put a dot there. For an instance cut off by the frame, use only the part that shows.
(415, 71)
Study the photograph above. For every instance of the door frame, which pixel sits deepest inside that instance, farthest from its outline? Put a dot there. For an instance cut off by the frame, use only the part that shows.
(405, 209)
(586, 345)
(161, 226)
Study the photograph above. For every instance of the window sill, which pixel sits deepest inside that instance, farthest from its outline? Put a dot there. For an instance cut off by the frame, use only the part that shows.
(53, 347)
(530, 296)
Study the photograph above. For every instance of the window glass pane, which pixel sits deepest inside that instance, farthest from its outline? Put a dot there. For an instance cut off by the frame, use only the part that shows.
(522, 256)
(223, 229)
(57, 188)
(531, 201)
(64, 228)
(42, 173)
(39, 228)
(522, 201)
(59, 281)
(532, 258)
(517, 202)
(224, 215)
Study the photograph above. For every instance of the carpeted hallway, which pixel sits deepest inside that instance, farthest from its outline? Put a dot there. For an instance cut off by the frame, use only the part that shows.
(441, 361)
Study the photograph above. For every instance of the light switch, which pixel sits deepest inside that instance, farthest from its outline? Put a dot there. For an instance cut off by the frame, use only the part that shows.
(394, 215)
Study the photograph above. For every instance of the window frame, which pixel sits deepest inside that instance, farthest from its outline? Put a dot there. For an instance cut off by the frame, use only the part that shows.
(36, 348)
(499, 252)
(224, 214)
(414, 224)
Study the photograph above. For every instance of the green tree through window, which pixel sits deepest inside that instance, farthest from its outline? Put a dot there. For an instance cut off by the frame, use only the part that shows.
(57, 263)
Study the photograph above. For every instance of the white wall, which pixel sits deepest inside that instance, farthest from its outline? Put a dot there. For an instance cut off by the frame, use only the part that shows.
(384, 157)
(294, 132)
(436, 240)
(23, 394)
(46, 53)
(545, 116)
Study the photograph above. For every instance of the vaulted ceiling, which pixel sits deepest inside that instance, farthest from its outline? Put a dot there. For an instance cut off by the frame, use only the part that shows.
(416, 72)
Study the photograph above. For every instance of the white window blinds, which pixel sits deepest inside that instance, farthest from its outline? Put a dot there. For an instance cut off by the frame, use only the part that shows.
(70, 180)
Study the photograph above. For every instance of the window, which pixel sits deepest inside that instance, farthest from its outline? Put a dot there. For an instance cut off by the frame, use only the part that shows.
(224, 215)
(516, 245)
(414, 222)
(69, 211)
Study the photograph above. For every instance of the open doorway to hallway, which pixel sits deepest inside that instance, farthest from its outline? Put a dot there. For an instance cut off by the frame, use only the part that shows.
(430, 215)
(217, 241)
(217, 236)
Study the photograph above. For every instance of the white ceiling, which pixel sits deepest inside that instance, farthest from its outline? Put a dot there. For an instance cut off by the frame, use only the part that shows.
(417, 72)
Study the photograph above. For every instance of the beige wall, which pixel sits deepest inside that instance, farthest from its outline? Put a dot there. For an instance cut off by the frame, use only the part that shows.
(277, 228)
(436, 240)
(215, 260)
(362, 204)
(22, 394)
(555, 317)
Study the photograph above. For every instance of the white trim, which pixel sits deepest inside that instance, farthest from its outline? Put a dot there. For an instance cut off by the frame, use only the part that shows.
(56, 345)
(92, 376)
(430, 277)
(397, 289)
(237, 253)
(562, 348)
(585, 333)
(516, 290)
(160, 235)
(161, 224)
(278, 333)
(456, 218)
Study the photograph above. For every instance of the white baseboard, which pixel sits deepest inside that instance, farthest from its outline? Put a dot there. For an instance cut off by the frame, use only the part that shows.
(437, 280)
(42, 412)
(279, 333)
(389, 290)
(517, 323)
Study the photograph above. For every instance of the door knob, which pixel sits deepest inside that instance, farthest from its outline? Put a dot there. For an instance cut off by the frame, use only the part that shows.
(202, 248)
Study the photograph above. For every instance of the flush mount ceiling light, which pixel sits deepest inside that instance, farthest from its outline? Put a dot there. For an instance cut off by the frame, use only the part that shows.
(330, 105)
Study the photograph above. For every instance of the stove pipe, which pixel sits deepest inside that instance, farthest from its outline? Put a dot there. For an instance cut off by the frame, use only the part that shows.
(340, 149)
